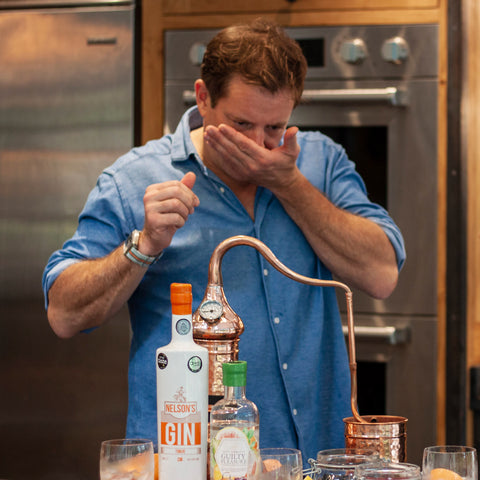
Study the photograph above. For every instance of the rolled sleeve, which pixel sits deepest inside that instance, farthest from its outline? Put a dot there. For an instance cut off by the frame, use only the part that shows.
(102, 227)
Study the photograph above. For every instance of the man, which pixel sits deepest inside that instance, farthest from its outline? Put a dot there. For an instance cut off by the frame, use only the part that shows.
(233, 167)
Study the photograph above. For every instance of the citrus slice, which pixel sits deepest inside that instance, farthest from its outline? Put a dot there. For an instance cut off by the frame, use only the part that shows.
(444, 474)
(271, 464)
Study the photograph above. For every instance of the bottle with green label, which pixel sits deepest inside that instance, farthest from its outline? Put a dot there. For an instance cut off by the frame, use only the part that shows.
(234, 429)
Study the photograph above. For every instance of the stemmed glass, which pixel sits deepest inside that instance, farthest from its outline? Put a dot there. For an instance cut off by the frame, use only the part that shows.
(450, 462)
(281, 464)
(126, 459)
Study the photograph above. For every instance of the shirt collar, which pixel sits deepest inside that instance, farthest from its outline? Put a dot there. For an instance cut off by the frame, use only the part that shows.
(182, 145)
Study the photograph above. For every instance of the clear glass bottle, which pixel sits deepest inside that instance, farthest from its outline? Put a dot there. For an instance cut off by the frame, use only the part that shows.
(234, 429)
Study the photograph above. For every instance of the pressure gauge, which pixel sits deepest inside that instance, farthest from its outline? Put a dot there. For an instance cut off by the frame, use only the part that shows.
(211, 310)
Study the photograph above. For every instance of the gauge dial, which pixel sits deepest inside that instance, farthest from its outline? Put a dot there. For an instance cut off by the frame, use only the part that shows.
(211, 310)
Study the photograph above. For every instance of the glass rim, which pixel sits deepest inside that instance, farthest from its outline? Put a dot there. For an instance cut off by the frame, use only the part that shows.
(126, 442)
(348, 451)
(392, 469)
(461, 449)
(338, 458)
(279, 451)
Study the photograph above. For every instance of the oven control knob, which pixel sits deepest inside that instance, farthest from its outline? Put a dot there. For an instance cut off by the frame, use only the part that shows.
(395, 50)
(353, 51)
(196, 53)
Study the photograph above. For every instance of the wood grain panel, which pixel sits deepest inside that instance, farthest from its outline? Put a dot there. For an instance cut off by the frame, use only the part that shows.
(442, 225)
(471, 140)
(176, 7)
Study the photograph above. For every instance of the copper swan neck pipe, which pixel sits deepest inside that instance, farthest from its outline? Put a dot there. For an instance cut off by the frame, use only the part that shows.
(215, 278)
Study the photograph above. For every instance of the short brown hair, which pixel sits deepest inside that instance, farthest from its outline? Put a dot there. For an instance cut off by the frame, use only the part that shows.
(261, 53)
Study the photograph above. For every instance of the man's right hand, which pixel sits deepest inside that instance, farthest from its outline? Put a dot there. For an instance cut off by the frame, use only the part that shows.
(88, 293)
(167, 207)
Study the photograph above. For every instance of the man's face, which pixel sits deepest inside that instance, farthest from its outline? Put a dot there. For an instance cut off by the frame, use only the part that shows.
(249, 109)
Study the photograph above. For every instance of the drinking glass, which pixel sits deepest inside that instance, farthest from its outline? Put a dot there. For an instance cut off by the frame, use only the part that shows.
(340, 463)
(126, 459)
(281, 464)
(450, 462)
(384, 470)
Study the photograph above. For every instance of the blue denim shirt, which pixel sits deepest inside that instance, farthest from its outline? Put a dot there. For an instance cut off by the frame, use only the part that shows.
(293, 342)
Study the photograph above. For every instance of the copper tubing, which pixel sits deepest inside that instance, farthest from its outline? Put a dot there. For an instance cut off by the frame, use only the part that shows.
(215, 278)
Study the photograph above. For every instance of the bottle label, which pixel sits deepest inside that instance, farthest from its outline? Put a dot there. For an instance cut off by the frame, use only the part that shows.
(180, 426)
(234, 454)
(183, 326)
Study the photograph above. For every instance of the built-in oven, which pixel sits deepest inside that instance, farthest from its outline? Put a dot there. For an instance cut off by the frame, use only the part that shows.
(374, 90)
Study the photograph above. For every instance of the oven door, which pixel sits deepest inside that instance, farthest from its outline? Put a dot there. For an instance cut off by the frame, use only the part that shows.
(389, 131)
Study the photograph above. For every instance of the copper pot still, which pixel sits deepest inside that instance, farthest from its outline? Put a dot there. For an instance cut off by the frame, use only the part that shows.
(218, 328)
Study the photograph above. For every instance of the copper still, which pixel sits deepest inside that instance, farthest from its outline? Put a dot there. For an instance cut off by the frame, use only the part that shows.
(218, 328)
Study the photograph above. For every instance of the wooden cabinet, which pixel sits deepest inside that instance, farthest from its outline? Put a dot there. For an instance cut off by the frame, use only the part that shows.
(175, 7)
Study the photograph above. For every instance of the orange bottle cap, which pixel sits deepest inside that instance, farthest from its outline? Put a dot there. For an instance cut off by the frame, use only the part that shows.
(181, 298)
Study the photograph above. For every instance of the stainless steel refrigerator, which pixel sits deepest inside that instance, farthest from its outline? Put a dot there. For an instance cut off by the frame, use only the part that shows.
(66, 112)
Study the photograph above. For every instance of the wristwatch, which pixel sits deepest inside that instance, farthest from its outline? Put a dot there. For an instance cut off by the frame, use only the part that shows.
(130, 250)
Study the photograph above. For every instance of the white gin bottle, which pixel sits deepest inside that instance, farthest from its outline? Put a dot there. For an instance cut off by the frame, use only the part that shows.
(182, 396)
(234, 429)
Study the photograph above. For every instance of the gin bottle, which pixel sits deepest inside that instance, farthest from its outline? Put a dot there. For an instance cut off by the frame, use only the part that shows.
(234, 429)
(182, 396)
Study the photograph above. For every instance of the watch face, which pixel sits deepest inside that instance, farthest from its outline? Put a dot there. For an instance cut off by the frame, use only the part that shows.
(132, 241)
(211, 310)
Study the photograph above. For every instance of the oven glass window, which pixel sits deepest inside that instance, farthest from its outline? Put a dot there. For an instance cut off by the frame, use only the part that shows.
(367, 147)
(314, 51)
(372, 388)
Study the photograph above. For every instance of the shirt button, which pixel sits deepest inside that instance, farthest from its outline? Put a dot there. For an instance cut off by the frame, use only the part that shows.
(285, 366)
(294, 411)
(222, 189)
(276, 320)
(265, 272)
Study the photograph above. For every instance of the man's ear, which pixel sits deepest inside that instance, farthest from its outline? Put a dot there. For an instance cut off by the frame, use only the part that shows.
(202, 96)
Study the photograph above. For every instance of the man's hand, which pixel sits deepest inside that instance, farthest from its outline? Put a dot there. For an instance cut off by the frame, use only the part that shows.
(248, 159)
(167, 207)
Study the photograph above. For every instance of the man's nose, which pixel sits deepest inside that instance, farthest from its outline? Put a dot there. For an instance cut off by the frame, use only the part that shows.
(258, 136)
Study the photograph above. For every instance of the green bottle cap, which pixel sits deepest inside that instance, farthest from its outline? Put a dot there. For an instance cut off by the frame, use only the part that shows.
(234, 373)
